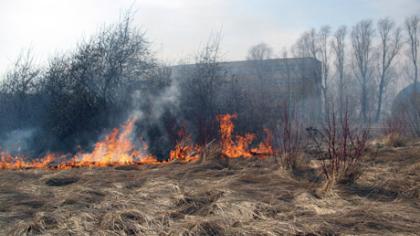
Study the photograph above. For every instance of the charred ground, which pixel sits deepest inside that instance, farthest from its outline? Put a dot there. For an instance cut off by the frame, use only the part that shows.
(212, 197)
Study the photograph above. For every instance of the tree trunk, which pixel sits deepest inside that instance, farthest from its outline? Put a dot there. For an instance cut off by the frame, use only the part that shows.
(364, 102)
(341, 96)
(380, 96)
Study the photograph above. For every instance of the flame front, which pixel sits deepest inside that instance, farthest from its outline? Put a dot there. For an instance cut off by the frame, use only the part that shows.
(115, 149)
(7, 161)
(118, 149)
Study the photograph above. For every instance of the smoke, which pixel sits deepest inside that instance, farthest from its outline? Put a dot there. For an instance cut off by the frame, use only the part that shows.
(157, 110)
(18, 141)
(153, 104)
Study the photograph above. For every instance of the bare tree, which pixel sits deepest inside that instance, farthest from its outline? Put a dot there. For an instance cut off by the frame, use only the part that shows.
(323, 50)
(125, 55)
(289, 86)
(390, 44)
(315, 44)
(257, 56)
(21, 79)
(20, 83)
(338, 45)
(412, 27)
(260, 52)
(362, 36)
(84, 87)
(200, 88)
(306, 45)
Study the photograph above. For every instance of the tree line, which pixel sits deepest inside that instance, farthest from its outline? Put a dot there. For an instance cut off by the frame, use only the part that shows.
(79, 95)
(360, 62)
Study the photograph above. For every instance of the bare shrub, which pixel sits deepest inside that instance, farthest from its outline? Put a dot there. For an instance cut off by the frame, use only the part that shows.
(395, 131)
(291, 142)
(342, 147)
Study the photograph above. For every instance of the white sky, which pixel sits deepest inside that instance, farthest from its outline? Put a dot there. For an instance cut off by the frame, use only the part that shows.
(177, 28)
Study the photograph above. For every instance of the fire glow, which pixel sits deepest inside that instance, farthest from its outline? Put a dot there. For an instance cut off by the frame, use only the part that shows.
(239, 147)
(118, 149)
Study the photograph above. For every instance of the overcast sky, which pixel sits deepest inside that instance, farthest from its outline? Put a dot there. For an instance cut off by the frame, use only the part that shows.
(177, 28)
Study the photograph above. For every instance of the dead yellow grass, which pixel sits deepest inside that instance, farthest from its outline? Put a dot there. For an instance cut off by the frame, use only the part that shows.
(241, 197)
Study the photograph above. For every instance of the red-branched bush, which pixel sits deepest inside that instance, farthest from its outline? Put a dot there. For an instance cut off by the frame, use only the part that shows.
(343, 147)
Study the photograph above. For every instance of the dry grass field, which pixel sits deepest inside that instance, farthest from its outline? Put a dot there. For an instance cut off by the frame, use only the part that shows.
(243, 197)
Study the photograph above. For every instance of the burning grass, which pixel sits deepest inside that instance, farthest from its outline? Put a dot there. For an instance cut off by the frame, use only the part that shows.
(119, 149)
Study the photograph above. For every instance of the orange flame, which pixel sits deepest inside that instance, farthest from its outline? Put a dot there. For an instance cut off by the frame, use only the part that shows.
(117, 149)
(7, 161)
(183, 151)
(114, 150)
(231, 148)
(240, 146)
(265, 147)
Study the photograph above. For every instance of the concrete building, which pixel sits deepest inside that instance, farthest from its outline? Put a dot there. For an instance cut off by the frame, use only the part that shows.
(293, 81)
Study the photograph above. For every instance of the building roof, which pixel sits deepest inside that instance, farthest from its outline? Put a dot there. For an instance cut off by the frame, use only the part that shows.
(307, 68)
(403, 97)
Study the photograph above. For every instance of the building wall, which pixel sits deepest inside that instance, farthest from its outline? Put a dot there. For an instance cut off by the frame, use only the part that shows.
(294, 81)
